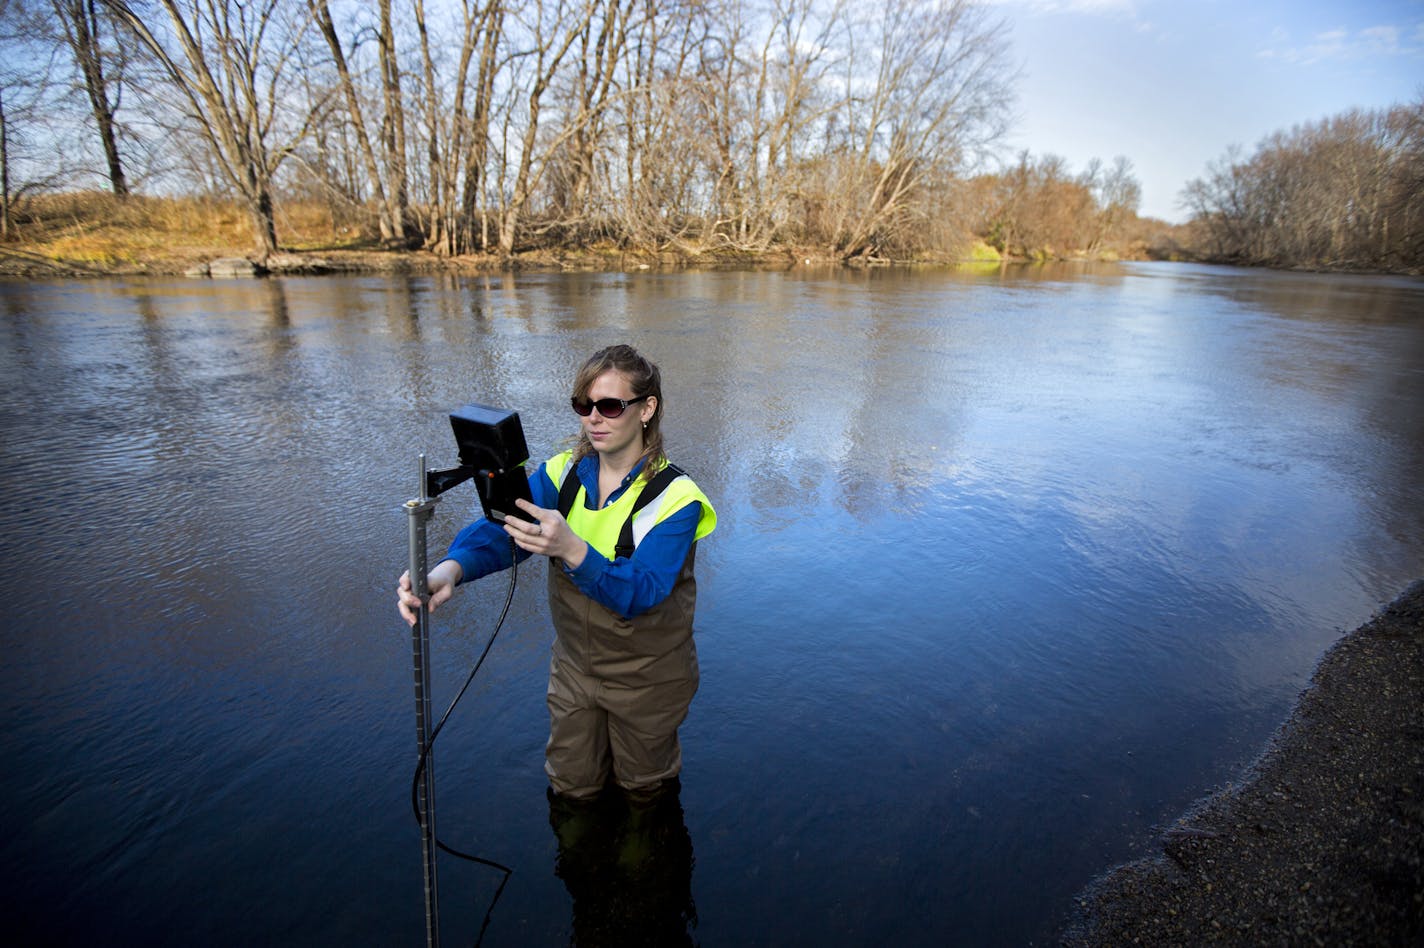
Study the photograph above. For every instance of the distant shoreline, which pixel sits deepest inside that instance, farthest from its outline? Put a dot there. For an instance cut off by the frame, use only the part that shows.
(1322, 842)
(17, 262)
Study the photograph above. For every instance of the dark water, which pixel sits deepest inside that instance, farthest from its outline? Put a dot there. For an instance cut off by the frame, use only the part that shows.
(1011, 569)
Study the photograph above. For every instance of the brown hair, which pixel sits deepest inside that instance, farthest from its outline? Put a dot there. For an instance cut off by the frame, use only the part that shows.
(645, 379)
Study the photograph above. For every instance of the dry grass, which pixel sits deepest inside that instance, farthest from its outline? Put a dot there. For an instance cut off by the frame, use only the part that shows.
(95, 230)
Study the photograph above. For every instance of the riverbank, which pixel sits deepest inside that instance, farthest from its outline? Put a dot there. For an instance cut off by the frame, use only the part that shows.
(1323, 840)
(178, 261)
(92, 235)
(17, 262)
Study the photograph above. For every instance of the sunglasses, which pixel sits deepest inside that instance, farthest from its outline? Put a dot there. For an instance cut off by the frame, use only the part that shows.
(607, 407)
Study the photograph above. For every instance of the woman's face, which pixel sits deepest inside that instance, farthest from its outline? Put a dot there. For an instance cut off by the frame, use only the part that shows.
(610, 436)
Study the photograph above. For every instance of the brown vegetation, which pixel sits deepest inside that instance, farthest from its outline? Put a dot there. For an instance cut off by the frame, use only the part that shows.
(1343, 193)
(94, 232)
(1039, 210)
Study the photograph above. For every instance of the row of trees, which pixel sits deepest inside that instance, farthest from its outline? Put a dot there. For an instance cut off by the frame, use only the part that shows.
(489, 125)
(742, 125)
(1039, 208)
(1344, 192)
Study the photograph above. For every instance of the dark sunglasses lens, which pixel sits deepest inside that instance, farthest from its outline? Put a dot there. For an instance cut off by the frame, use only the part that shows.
(607, 407)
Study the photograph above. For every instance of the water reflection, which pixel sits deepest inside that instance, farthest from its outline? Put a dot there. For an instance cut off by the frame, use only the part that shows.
(627, 864)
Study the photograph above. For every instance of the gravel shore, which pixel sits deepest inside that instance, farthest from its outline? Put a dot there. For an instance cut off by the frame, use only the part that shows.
(1322, 843)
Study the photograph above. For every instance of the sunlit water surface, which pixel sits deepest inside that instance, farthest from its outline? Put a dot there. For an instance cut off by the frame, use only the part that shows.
(1011, 569)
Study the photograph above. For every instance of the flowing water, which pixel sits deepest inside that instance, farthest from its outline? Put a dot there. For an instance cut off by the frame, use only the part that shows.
(1011, 569)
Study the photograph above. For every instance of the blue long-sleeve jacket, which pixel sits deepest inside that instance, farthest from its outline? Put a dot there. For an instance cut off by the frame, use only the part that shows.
(628, 586)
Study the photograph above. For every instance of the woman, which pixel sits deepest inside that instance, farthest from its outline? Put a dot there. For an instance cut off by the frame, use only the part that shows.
(624, 666)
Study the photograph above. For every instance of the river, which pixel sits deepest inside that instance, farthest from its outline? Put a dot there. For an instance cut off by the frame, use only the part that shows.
(1011, 568)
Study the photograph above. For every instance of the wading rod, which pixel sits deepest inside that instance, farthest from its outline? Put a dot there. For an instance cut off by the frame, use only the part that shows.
(420, 510)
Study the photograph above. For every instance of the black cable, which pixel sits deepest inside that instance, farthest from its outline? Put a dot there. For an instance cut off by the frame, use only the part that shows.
(425, 751)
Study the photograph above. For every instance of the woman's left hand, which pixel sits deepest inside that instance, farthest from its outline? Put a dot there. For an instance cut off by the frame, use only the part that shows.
(548, 536)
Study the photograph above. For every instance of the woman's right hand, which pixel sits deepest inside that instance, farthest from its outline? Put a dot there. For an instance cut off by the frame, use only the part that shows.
(439, 582)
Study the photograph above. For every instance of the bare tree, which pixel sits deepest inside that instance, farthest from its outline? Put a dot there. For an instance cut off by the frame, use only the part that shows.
(1342, 192)
(1217, 203)
(438, 231)
(1039, 208)
(767, 97)
(363, 138)
(722, 116)
(552, 31)
(489, 38)
(1118, 195)
(83, 32)
(456, 128)
(660, 154)
(7, 221)
(226, 60)
(393, 137)
(928, 88)
(8, 41)
(389, 211)
(589, 91)
(1401, 235)
(27, 68)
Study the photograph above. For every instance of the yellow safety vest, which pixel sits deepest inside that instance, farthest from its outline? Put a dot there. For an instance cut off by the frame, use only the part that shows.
(602, 527)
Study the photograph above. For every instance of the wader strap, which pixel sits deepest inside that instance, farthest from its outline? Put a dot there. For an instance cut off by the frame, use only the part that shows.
(650, 493)
(568, 490)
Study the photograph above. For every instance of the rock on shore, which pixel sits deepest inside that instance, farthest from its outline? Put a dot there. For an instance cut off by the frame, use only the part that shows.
(1323, 841)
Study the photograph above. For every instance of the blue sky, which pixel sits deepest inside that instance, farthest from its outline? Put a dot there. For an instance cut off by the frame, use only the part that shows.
(1171, 85)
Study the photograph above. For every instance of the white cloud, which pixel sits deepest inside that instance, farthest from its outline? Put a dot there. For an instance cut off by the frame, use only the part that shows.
(1335, 45)
(1386, 36)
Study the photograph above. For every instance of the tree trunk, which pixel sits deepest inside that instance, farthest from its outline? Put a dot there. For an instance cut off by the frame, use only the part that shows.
(233, 105)
(393, 127)
(264, 221)
(527, 176)
(80, 20)
(388, 215)
(491, 31)
(6, 224)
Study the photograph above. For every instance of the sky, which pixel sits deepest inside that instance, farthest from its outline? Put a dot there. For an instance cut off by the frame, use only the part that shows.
(1172, 84)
